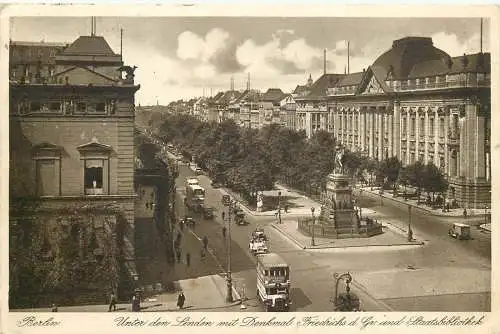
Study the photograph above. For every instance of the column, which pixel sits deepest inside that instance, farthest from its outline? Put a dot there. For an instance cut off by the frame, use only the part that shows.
(362, 133)
(358, 126)
(371, 131)
(396, 130)
(477, 132)
(435, 136)
(380, 115)
(408, 135)
(390, 130)
(426, 136)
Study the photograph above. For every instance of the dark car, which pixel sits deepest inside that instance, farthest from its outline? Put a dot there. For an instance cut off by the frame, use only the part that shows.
(215, 184)
(208, 212)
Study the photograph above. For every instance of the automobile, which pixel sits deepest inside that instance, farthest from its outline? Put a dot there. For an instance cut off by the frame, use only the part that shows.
(198, 171)
(257, 247)
(258, 234)
(226, 200)
(215, 184)
(187, 221)
(208, 212)
(460, 231)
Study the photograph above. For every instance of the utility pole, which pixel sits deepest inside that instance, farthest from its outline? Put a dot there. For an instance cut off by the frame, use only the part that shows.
(481, 35)
(348, 57)
(279, 207)
(229, 295)
(121, 44)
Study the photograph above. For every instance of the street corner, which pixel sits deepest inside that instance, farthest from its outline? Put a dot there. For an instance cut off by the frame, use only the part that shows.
(208, 292)
(285, 229)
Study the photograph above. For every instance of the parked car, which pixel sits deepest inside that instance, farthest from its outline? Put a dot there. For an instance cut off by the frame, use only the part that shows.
(215, 184)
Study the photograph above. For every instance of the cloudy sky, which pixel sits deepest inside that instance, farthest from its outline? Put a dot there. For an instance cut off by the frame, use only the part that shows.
(183, 57)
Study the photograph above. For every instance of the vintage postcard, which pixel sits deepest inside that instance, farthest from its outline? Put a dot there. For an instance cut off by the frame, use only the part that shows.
(257, 168)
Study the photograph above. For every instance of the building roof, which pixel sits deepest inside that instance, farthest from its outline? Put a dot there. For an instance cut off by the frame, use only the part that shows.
(30, 52)
(273, 95)
(300, 89)
(351, 79)
(271, 259)
(405, 54)
(228, 96)
(89, 45)
(319, 87)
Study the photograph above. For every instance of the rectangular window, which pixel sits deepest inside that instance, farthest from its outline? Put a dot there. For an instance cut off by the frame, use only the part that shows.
(441, 127)
(412, 126)
(404, 126)
(421, 157)
(94, 177)
(81, 107)
(421, 129)
(431, 127)
(412, 158)
(46, 178)
(55, 106)
(35, 106)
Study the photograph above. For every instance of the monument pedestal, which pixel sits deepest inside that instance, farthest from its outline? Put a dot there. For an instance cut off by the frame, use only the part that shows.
(338, 218)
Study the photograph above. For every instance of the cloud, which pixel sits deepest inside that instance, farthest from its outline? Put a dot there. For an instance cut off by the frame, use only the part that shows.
(451, 44)
(192, 46)
(277, 58)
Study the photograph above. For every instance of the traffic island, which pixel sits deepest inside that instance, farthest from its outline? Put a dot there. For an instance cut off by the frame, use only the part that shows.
(389, 238)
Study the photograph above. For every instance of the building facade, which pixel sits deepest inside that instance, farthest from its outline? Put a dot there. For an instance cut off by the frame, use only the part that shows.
(415, 102)
(71, 149)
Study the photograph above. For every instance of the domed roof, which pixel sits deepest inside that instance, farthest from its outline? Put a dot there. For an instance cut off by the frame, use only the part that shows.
(409, 54)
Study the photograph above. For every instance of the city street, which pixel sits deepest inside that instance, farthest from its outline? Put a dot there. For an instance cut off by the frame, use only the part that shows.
(417, 279)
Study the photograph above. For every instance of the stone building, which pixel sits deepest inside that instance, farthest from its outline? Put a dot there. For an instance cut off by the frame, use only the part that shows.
(414, 102)
(72, 161)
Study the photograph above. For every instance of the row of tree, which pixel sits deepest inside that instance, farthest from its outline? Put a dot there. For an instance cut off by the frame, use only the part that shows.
(248, 160)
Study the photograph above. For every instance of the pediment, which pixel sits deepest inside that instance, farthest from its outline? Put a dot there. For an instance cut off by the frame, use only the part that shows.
(370, 85)
(83, 76)
(47, 149)
(94, 147)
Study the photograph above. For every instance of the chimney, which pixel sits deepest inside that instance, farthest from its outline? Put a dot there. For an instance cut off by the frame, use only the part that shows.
(324, 61)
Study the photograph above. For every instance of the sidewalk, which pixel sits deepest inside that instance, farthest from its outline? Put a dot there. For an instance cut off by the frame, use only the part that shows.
(299, 205)
(202, 294)
(436, 212)
(388, 238)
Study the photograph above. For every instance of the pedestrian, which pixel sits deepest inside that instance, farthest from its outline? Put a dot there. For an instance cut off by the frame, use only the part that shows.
(224, 229)
(112, 302)
(465, 213)
(188, 259)
(180, 300)
(205, 242)
(181, 225)
(178, 255)
(54, 308)
(136, 303)
(286, 208)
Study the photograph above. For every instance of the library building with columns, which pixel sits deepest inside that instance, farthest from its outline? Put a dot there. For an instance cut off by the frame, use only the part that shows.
(415, 102)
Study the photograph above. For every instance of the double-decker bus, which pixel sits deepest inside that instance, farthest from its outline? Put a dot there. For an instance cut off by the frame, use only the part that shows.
(273, 282)
(195, 197)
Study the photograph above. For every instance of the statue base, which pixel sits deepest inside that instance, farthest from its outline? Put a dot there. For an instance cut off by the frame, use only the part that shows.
(339, 218)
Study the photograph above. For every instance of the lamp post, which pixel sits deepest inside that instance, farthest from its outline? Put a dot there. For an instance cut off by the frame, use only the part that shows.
(279, 207)
(312, 234)
(229, 296)
(410, 232)
(349, 302)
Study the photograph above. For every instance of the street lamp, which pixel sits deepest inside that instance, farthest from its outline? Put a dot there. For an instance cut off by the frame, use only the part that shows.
(410, 232)
(349, 302)
(279, 207)
(312, 234)
(229, 296)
